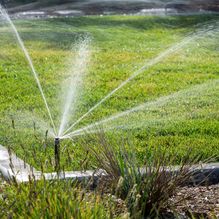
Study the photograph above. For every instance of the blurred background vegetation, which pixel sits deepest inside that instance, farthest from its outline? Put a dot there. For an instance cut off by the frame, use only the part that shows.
(212, 5)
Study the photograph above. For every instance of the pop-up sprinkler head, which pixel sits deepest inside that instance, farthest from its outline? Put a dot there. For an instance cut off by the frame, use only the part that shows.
(57, 154)
(57, 141)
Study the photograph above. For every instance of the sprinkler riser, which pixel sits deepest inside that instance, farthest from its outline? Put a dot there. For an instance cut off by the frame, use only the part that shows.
(57, 154)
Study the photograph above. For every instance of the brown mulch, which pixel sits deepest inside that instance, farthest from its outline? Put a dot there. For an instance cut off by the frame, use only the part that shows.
(201, 202)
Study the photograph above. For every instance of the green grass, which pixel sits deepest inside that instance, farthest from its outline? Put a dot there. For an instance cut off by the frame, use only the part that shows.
(53, 200)
(120, 46)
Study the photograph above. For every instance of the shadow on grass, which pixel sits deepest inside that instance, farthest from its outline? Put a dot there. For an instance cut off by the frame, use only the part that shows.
(63, 32)
(139, 22)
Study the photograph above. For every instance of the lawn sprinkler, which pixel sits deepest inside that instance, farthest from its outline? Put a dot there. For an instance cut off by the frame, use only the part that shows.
(57, 154)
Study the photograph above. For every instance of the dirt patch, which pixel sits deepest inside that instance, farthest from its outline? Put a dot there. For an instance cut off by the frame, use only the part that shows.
(201, 202)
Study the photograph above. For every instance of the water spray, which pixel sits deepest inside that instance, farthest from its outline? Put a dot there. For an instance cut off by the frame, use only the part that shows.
(30, 62)
(57, 154)
(172, 49)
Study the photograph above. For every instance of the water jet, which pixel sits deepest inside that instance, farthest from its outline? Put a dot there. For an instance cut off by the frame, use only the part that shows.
(72, 91)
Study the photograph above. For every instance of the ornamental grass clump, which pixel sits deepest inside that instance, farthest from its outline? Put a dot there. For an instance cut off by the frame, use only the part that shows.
(51, 199)
(145, 190)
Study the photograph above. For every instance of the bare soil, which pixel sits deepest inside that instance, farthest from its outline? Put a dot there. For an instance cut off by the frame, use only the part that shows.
(201, 202)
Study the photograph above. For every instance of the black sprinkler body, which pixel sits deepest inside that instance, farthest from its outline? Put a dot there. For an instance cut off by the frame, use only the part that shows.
(57, 154)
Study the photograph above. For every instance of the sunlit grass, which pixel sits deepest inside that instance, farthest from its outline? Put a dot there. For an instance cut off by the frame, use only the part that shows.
(120, 45)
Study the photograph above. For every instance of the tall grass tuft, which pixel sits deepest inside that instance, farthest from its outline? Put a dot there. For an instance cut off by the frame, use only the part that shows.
(51, 199)
(146, 190)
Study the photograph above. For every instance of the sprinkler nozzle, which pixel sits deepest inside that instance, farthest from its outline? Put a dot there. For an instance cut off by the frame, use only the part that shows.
(57, 141)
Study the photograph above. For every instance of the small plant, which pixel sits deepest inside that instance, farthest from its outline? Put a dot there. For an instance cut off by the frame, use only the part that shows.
(51, 199)
(145, 190)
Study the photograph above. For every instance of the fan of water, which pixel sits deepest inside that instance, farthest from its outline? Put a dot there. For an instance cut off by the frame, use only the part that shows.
(177, 106)
(74, 83)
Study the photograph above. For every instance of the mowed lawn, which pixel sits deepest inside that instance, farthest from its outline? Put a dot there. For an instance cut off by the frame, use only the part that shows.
(120, 45)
